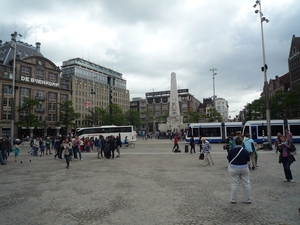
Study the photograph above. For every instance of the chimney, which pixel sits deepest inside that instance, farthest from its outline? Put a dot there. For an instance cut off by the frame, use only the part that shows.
(38, 47)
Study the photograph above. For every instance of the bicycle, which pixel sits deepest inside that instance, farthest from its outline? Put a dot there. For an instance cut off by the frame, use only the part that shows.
(128, 145)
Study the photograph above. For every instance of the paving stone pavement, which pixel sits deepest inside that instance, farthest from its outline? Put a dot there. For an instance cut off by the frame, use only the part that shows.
(146, 185)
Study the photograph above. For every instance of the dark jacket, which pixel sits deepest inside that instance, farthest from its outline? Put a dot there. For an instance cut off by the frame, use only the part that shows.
(242, 159)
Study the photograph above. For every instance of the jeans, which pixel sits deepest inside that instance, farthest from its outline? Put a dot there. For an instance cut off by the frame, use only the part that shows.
(35, 151)
(238, 175)
(67, 157)
(286, 168)
(77, 150)
(1, 160)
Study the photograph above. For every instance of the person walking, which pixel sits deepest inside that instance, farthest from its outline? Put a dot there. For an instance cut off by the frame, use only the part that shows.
(238, 170)
(192, 144)
(67, 145)
(206, 150)
(175, 143)
(286, 159)
(48, 145)
(112, 146)
(250, 147)
(118, 145)
(16, 150)
(76, 148)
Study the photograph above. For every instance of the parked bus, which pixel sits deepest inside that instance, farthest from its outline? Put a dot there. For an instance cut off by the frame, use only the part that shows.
(258, 129)
(213, 132)
(106, 131)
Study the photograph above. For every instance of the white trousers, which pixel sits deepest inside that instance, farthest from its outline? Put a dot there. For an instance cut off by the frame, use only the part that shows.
(238, 175)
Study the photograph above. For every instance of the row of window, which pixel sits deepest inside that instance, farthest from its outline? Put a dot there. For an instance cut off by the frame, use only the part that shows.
(39, 73)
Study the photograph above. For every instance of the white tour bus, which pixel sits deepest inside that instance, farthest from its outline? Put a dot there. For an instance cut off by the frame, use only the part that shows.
(105, 131)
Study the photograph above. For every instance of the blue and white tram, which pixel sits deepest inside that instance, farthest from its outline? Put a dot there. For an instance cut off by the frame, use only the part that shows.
(213, 132)
(258, 129)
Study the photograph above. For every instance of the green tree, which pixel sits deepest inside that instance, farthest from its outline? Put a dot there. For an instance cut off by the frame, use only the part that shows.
(67, 114)
(148, 116)
(256, 110)
(213, 115)
(192, 116)
(26, 109)
(97, 116)
(132, 117)
(115, 115)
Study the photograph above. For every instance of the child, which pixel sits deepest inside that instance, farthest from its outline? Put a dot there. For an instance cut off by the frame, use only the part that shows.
(42, 149)
(16, 150)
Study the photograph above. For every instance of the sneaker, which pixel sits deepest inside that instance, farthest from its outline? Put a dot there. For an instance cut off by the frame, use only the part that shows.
(253, 167)
(233, 202)
(286, 180)
(248, 202)
(291, 181)
(76, 159)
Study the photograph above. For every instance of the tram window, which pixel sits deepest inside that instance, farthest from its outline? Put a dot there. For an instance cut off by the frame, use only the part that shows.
(196, 132)
(211, 132)
(189, 133)
(262, 129)
(295, 130)
(230, 130)
(276, 129)
(246, 130)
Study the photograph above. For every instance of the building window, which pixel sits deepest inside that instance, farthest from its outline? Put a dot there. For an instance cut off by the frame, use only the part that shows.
(39, 73)
(52, 106)
(53, 77)
(6, 115)
(25, 70)
(6, 102)
(52, 96)
(52, 117)
(25, 92)
(63, 98)
(7, 89)
(39, 95)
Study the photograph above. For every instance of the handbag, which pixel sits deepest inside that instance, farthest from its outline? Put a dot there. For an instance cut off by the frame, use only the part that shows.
(201, 156)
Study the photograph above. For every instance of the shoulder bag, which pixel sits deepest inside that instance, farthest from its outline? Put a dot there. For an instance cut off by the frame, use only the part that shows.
(236, 155)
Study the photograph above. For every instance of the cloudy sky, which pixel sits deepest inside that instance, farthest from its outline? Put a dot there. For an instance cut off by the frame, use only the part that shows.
(148, 40)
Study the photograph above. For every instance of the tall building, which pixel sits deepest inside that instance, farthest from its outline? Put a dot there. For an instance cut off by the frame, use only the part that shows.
(222, 108)
(94, 86)
(294, 62)
(158, 104)
(140, 105)
(36, 77)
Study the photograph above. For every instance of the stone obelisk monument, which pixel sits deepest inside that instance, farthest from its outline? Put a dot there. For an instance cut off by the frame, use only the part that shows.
(175, 120)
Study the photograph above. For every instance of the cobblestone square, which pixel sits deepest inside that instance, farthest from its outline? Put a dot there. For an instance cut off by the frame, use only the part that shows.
(147, 185)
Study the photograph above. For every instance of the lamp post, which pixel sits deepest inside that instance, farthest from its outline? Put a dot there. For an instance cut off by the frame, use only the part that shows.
(93, 93)
(13, 105)
(264, 70)
(214, 89)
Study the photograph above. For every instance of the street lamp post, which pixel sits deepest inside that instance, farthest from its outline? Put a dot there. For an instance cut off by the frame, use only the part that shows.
(214, 90)
(13, 105)
(264, 70)
(93, 93)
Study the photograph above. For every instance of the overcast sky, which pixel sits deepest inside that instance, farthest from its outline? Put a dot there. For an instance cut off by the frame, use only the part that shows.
(148, 40)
